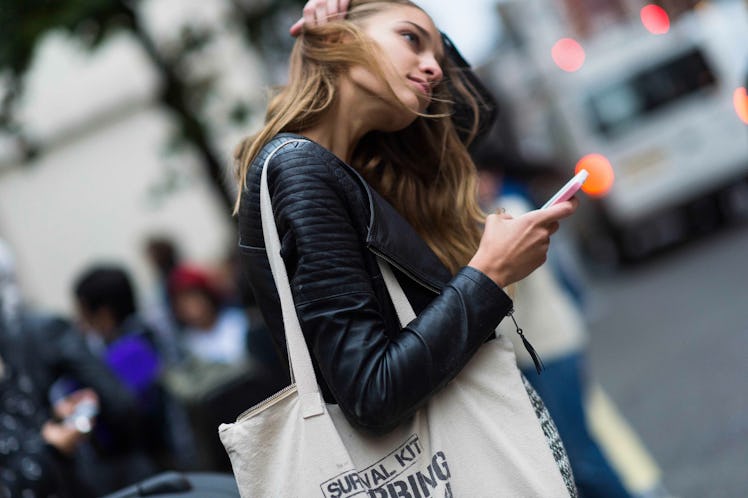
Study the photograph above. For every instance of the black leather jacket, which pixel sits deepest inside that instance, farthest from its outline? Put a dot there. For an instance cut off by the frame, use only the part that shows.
(332, 226)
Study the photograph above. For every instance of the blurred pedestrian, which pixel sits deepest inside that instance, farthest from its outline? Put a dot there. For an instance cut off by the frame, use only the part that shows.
(211, 330)
(106, 306)
(555, 324)
(37, 444)
(163, 256)
(550, 314)
(36, 449)
(219, 361)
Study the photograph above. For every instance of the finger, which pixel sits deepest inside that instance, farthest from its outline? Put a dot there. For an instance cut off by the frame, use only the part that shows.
(321, 13)
(553, 227)
(499, 216)
(558, 211)
(309, 15)
(344, 4)
(333, 10)
(64, 409)
(295, 29)
(574, 201)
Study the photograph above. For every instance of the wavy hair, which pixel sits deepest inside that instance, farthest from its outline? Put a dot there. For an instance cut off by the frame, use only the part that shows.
(423, 170)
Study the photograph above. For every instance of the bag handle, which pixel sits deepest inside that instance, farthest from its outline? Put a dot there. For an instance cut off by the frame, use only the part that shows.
(302, 371)
(403, 308)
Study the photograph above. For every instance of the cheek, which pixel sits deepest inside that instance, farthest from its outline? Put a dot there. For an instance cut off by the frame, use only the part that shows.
(399, 118)
(365, 79)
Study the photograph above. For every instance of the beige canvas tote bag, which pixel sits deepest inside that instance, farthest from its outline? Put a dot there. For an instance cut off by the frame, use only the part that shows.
(477, 437)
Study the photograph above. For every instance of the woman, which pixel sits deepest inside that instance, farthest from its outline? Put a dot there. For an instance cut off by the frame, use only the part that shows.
(382, 172)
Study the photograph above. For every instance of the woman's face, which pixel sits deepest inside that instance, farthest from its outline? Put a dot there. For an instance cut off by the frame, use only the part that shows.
(411, 48)
(194, 308)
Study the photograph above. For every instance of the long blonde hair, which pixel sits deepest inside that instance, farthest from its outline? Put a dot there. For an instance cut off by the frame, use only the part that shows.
(424, 170)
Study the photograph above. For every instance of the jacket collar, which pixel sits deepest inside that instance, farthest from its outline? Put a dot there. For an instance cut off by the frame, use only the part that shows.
(390, 236)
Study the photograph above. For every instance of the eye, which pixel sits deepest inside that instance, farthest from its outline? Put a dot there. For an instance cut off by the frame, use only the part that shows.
(412, 38)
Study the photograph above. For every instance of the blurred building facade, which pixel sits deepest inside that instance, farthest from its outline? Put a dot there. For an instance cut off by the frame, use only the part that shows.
(108, 171)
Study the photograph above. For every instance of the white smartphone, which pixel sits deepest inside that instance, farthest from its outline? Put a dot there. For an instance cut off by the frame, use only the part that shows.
(567, 191)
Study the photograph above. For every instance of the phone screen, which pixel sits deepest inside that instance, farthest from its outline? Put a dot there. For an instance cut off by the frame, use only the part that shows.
(567, 191)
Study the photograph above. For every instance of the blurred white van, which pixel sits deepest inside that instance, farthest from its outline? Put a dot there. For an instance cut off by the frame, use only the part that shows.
(662, 110)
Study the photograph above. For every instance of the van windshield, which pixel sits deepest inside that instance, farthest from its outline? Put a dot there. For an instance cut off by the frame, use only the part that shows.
(619, 105)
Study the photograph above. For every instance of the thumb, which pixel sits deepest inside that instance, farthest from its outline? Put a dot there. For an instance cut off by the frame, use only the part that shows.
(557, 211)
(295, 29)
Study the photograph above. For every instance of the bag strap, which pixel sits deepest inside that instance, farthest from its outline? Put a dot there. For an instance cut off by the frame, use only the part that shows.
(302, 371)
(403, 308)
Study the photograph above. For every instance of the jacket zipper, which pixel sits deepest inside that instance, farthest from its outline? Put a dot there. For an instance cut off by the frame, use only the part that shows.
(526, 343)
(416, 279)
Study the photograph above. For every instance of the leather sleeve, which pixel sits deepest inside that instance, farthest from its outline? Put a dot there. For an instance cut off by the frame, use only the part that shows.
(378, 373)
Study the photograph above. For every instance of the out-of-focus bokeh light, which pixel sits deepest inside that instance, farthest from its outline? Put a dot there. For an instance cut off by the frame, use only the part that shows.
(740, 101)
(655, 19)
(601, 173)
(568, 54)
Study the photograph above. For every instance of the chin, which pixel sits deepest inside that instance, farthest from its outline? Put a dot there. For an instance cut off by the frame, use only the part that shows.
(403, 118)
(415, 103)
(400, 122)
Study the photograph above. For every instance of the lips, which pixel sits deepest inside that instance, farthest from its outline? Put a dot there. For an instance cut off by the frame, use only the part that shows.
(422, 86)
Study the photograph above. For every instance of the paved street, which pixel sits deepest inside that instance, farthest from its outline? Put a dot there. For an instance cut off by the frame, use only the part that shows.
(670, 346)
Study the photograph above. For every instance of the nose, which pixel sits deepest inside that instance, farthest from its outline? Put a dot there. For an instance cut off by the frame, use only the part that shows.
(432, 69)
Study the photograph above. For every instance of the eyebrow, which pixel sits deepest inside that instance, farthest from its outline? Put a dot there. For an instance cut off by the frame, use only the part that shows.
(427, 35)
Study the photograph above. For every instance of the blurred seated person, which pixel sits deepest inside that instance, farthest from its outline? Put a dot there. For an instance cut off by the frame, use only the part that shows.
(105, 301)
(226, 358)
(59, 349)
(210, 330)
(228, 364)
(37, 449)
(233, 282)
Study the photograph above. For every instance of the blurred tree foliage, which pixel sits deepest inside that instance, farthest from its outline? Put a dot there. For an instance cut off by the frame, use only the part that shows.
(24, 24)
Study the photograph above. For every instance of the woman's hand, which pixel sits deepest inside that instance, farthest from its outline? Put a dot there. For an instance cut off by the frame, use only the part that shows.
(512, 248)
(62, 436)
(318, 12)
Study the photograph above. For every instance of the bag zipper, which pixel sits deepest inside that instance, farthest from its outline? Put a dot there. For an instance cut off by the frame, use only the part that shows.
(249, 412)
(531, 350)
